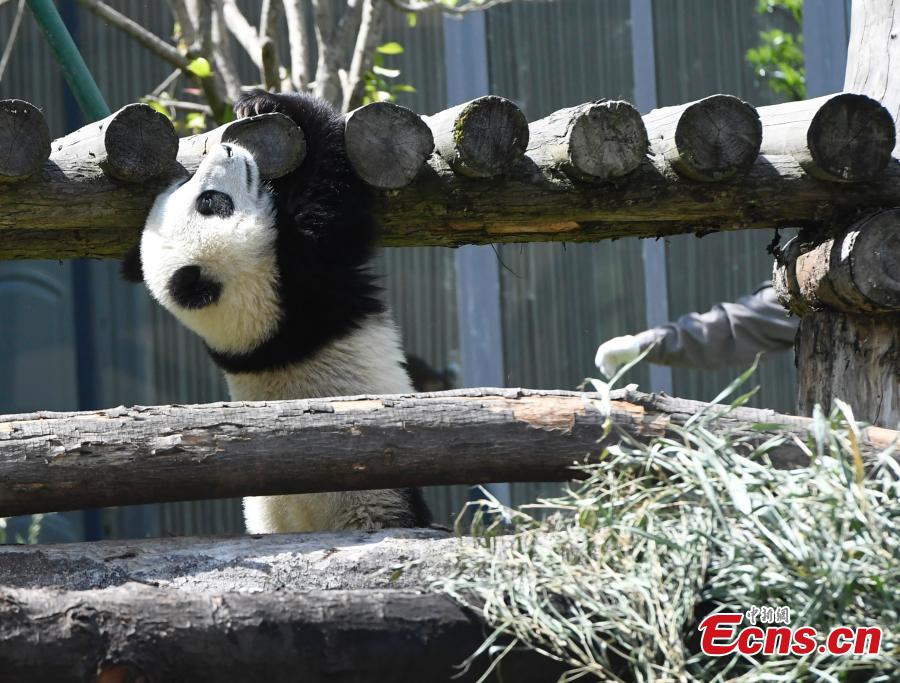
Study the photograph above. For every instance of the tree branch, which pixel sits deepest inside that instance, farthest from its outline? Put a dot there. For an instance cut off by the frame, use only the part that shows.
(327, 84)
(11, 40)
(298, 40)
(241, 29)
(268, 40)
(182, 16)
(367, 40)
(221, 49)
(149, 40)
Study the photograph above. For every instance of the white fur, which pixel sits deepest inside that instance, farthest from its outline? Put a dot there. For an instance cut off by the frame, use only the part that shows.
(238, 251)
(365, 361)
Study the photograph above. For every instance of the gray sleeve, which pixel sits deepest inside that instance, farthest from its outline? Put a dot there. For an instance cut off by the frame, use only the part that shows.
(729, 334)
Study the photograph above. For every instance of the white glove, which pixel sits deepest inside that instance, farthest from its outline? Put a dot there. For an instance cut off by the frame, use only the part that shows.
(616, 352)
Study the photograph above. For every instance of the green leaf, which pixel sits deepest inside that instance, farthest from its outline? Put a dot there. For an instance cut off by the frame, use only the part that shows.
(200, 67)
(156, 106)
(403, 87)
(195, 121)
(392, 48)
(387, 73)
(411, 19)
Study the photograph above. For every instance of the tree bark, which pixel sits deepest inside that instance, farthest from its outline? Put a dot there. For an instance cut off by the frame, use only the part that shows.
(24, 139)
(53, 461)
(133, 144)
(857, 357)
(708, 140)
(482, 138)
(136, 632)
(855, 272)
(387, 144)
(267, 563)
(596, 141)
(844, 137)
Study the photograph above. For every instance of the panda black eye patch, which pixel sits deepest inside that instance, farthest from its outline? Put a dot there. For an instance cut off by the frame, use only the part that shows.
(214, 203)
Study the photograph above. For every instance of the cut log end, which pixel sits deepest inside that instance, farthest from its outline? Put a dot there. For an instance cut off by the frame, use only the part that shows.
(25, 139)
(608, 140)
(850, 139)
(596, 141)
(276, 143)
(482, 138)
(141, 143)
(716, 138)
(387, 144)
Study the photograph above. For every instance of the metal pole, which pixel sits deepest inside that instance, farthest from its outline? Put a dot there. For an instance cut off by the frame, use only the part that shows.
(74, 70)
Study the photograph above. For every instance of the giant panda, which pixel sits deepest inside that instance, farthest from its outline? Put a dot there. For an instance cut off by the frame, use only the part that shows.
(274, 276)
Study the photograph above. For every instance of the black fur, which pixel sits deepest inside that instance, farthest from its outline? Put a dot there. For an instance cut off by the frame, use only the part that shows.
(130, 268)
(418, 507)
(191, 289)
(326, 236)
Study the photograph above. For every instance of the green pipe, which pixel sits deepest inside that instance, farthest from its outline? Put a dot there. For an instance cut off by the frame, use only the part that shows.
(75, 71)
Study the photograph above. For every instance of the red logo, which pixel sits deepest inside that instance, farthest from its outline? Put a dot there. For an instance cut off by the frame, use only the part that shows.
(721, 635)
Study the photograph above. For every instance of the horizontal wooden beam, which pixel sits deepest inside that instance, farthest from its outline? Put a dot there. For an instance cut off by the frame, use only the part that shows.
(576, 185)
(54, 461)
(138, 632)
(264, 563)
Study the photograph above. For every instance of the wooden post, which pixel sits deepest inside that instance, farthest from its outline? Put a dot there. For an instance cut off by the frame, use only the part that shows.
(856, 357)
(24, 139)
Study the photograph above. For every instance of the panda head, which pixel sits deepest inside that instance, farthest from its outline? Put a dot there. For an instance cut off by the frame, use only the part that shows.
(208, 252)
(266, 272)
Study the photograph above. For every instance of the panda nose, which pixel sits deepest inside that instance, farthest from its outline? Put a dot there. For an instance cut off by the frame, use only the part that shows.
(191, 289)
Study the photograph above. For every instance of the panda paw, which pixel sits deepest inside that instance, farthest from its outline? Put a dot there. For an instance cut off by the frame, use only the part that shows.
(257, 102)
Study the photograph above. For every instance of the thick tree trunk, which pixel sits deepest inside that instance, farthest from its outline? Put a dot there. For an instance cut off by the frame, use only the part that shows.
(24, 139)
(136, 632)
(856, 357)
(54, 461)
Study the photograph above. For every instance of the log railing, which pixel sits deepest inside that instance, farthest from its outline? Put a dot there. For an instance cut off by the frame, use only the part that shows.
(53, 461)
(580, 174)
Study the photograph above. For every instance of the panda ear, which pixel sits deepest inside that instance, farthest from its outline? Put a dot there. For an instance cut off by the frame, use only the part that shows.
(130, 268)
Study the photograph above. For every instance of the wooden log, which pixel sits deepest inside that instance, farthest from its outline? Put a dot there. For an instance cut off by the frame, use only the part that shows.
(25, 139)
(136, 632)
(856, 272)
(277, 144)
(844, 137)
(856, 357)
(708, 140)
(387, 144)
(596, 141)
(133, 144)
(265, 563)
(482, 138)
(53, 461)
(70, 210)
